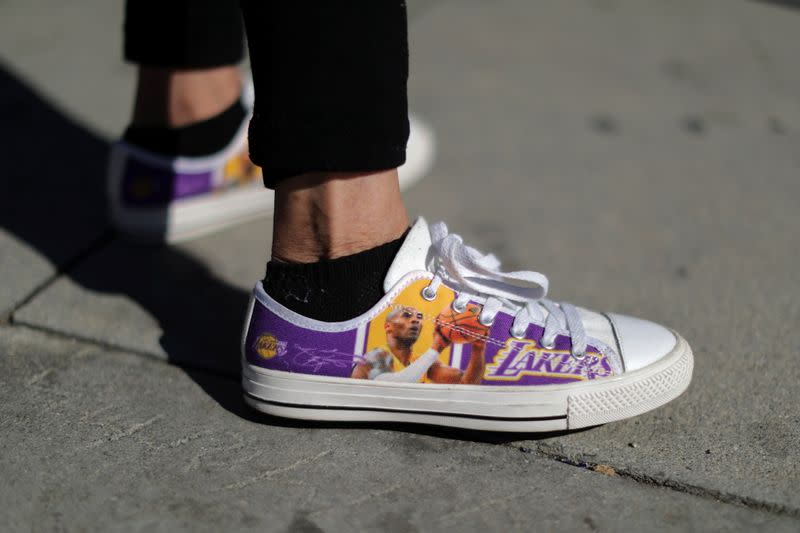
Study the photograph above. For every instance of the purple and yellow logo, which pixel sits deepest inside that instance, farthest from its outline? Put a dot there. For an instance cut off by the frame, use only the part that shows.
(267, 345)
(520, 358)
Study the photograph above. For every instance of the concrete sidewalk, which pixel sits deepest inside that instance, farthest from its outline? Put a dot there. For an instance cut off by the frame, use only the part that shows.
(644, 155)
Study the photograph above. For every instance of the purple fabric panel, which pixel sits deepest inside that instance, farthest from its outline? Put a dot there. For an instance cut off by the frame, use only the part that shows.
(274, 343)
(192, 184)
(512, 370)
(148, 185)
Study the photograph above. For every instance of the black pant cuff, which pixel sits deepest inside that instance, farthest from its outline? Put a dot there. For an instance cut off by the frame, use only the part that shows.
(279, 165)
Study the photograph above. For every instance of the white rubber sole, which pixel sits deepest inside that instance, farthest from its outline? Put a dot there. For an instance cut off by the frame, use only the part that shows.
(191, 218)
(478, 407)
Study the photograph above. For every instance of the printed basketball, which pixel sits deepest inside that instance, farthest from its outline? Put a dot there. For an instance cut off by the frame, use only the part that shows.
(463, 327)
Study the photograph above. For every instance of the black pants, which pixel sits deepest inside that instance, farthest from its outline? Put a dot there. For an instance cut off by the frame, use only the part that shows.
(330, 77)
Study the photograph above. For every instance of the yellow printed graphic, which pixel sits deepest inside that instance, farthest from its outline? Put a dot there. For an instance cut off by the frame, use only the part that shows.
(412, 340)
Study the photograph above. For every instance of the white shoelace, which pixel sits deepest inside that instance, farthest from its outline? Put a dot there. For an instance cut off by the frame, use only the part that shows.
(477, 276)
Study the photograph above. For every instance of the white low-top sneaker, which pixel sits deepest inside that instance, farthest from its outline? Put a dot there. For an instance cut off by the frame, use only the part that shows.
(457, 342)
(154, 198)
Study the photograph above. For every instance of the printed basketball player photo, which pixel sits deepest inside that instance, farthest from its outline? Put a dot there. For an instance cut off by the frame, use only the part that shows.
(406, 327)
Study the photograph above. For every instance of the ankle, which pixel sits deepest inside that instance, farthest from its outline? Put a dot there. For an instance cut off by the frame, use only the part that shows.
(176, 98)
(335, 214)
(332, 290)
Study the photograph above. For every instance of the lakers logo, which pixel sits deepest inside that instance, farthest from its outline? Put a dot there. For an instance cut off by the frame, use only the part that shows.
(267, 345)
(520, 358)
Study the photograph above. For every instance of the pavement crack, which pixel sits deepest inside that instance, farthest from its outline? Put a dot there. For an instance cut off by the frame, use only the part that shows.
(93, 414)
(394, 487)
(40, 376)
(663, 482)
(130, 431)
(499, 502)
(266, 474)
(70, 263)
(183, 440)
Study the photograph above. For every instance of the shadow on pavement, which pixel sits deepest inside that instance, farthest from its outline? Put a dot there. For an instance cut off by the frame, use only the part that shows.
(783, 3)
(52, 197)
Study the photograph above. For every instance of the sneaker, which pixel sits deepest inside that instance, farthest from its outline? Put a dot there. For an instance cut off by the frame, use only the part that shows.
(157, 198)
(457, 342)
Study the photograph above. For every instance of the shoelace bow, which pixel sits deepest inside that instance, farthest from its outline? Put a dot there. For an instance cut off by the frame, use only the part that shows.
(475, 274)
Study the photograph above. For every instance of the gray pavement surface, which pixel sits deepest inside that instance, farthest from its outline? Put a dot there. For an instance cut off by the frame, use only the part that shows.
(644, 155)
(124, 442)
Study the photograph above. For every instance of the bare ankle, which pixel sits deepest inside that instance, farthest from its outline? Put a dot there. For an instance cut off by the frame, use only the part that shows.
(175, 98)
(334, 214)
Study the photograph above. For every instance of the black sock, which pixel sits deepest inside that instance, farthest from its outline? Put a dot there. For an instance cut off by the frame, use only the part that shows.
(332, 290)
(196, 140)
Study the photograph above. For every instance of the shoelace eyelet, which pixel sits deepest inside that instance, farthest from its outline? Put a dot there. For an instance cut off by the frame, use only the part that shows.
(578, 357)
(484, 321)
(458, 308)
(517, 334)
(548, 346)
(428, 294)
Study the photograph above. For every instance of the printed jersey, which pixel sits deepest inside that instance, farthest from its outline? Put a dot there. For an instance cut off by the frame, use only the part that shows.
(398, 365)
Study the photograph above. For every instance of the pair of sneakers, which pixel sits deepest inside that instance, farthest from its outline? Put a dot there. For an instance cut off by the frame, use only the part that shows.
(455, 341)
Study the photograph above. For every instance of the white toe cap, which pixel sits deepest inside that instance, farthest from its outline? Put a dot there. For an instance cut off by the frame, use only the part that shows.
(641, 342)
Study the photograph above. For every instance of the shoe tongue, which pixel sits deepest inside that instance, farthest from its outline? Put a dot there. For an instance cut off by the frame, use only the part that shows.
(413, 254)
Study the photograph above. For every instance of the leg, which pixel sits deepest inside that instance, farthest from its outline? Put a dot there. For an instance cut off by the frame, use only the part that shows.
(329, 215)
(330, 80)
(176, 97)
(329, 129)
(180, 168)
(332, 99)
(187, 53)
